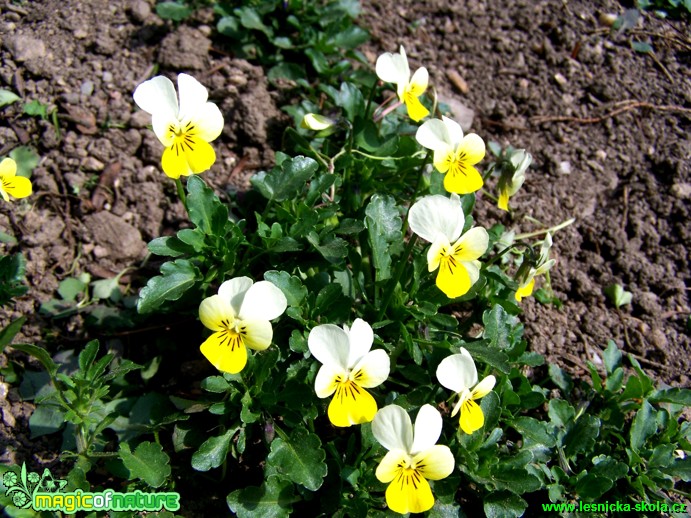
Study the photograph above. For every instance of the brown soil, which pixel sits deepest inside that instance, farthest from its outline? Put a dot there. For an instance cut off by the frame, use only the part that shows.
(608, 128)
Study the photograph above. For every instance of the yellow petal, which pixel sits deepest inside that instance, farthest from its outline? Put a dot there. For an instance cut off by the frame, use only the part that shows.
(409, 492)
(187, 155)
(526, 290)
(435, 463)
(453, 278)
(443, 158)
(226, 351)
(462, 178)
(503, 202)
(351, 404)
(16, 186)
(472, 417)
(416, 110)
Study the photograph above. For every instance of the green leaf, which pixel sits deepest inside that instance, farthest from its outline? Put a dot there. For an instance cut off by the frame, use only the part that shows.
(617, 295)
(88, 355)
(213, 452)
(178, 277)
(612, 357)
(680, 468)
(250, 19)
(216, 384)
(538, 431)
(273, 499)
(173, 11)
(45, 420)
(642, 47)
(643, 426)
(350, 38)
(148, 462)
(497, 359)
(383, 222)
(581, 436)
(71, 287)
(287, 180)
(27, 159)
(290, 285)
(502, 504)
(8, 333)
(498, 325)
(205, 209)
(677, 396)
(40, 354)
(299, 457)
(7, 97)
(169, 246)
(560, 378)
(351, 100)
(333, 249)
(592, 486)
(36, 108)
(560, 412)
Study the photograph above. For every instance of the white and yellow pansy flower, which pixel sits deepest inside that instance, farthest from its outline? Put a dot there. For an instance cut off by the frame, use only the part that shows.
(512, 177)
(348, 368)
(394, 68)
(455, 155)
(10, 183)
(543, 265)
(458, 373)
(414, 457)
(185, 129)
(239, 317)
(440, 220)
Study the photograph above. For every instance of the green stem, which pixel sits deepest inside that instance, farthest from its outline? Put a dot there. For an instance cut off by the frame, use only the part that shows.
(553, 229)
(181, 192)
(370, 98)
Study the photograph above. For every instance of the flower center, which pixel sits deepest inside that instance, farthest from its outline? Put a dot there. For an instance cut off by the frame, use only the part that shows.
(457, 163)
(183, 137)
(408, 475)
(448, 257)
(232, 334)
(347, 388)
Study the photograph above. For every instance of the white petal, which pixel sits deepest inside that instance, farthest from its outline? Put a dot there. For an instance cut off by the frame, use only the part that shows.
(157, 95)
(473, 269)
(360, 338)
(428, 425)
(543, 268)
(329, 345)
(208, 121)
(420, 79)
(457, 372)
(372, 369)
(436, 215)
(455, 131)
(193, 95)
(234, 291)
(521, 160)
(483, 388)
(257, 334)
(393, 429)
(214, 310)
(324, 384)
(263, 301)
(473, 244)
(393, 68)
(434, 135)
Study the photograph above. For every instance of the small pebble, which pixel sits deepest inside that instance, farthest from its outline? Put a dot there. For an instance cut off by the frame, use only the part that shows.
(458, 81)
(87, 87)
(560, 79)
(564, 167)
(107, 77)
(601, 155)
(607, 19)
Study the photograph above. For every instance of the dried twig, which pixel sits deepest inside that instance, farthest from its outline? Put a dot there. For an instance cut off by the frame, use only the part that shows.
(624, 106)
